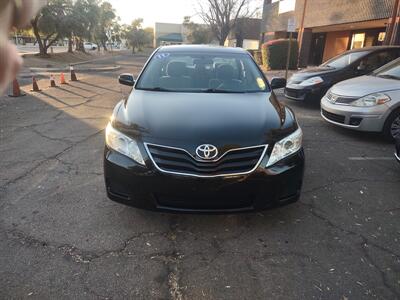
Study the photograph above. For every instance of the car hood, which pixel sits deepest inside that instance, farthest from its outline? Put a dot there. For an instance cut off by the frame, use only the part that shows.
(365, 85)
(190, 119)
(311, 72)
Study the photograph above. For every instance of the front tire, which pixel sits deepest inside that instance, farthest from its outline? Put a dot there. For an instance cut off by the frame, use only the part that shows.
(392, 125)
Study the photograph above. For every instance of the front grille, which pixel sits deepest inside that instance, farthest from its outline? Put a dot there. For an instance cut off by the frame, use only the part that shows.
(179, 161)
(333, 117)
(294, 93)
(333, 98)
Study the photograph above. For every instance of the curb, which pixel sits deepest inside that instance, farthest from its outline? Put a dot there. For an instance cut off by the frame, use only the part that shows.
(66, 69)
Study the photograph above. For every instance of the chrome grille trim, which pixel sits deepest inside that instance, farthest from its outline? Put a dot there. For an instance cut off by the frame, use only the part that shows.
(146, 145)
(340, 100)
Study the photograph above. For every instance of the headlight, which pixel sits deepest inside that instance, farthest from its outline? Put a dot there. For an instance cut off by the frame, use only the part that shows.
(371, 100)
(285, 147)
(123, 144)
(312, 81)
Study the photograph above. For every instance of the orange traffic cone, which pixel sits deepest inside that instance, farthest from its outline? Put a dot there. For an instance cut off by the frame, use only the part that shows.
(73, 75)
(16, 91)
(35, 87)
(52, 81)
(62, 79)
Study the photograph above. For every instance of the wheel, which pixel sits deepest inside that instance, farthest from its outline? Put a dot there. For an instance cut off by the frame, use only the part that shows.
(392, 125)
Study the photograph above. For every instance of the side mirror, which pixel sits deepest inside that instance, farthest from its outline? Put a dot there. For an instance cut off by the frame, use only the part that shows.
(126, 79)
(278, 83)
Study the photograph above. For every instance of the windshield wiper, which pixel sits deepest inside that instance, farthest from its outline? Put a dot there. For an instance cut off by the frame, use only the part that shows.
(156, 89)
(213, 90)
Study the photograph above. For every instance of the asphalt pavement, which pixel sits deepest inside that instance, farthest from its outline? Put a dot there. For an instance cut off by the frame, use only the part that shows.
(60, 237)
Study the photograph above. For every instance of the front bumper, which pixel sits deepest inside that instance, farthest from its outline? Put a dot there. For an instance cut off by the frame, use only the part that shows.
(148, 188)
(371, 119)
(299, 93)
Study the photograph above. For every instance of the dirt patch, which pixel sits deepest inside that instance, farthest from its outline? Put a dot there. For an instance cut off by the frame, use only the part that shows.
(60, 59)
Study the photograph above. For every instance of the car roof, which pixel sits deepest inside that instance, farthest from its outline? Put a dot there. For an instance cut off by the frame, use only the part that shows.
(201, 49)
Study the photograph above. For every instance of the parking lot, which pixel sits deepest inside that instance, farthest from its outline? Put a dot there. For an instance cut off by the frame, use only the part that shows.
(60, 237)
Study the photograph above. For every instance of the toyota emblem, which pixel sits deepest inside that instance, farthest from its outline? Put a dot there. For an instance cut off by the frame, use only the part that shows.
(207, 151)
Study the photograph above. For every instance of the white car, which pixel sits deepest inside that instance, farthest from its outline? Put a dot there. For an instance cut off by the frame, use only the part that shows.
(367, 103)
(90, 46)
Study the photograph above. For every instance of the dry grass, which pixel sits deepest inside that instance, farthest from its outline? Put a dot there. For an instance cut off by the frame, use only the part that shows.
(59, 59)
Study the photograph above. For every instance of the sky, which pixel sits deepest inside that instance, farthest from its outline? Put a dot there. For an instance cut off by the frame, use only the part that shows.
(151, 11)
(169, 11)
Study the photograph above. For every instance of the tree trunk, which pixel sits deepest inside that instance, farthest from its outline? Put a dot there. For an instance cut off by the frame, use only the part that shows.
(70, 50)
(103, 43)
(79, 45)
(42, 49)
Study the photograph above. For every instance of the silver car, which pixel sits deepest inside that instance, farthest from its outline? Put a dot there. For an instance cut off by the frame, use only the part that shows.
(367, 103)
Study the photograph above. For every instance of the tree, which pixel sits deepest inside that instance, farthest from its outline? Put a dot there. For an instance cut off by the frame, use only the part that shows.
(136, 36)
(49, 25)
(86, 14)
(116, 32)
(105, 25)
(150, 35)
(196, 33)
(222, 15)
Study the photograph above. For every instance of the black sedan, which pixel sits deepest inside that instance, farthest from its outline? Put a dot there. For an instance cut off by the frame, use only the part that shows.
(202, 131)
(313, 83)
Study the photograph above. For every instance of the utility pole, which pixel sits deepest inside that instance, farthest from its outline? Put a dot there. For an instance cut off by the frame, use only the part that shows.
(288, 56)
(392, 28)
(301, 30)
(263, 23)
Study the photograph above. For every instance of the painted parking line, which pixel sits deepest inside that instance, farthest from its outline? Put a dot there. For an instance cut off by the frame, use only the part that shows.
(370, 158)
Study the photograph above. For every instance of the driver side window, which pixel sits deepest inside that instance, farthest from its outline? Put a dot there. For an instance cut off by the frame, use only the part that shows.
(374, 61)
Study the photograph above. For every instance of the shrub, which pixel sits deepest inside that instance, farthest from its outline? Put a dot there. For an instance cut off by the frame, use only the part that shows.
(274, 54)
(257, 57)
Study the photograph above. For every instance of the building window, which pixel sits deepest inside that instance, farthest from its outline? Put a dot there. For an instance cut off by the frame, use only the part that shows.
(381, 36)
(357, 40)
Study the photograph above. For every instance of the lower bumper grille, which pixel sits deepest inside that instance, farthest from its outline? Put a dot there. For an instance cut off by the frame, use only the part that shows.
(333, 117)
(180, 162)
(244, 202)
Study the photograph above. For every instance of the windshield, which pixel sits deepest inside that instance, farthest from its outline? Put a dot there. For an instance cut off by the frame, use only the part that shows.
(344, 60)
(391, 70)
(211, 73)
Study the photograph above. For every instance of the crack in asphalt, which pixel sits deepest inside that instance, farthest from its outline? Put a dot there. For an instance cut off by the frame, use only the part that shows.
(77, 255)
(347, 180)
(81, 257)
(365, 241)
(385, 281)
(172, 262)
(53, 157)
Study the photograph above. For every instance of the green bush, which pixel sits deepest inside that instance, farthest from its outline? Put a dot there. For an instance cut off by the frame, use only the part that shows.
(257, 57)
(274, 54)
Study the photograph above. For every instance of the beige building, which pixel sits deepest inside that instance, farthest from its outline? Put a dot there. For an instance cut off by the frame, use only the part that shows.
(168, 34)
